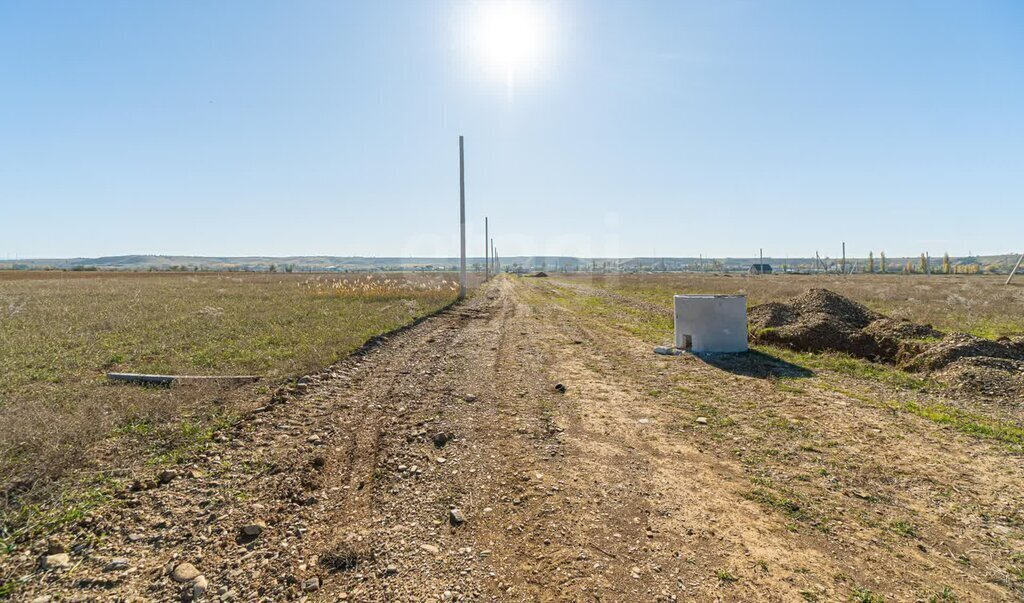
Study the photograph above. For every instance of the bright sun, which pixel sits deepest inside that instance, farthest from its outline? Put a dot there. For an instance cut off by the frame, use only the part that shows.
(510, 37)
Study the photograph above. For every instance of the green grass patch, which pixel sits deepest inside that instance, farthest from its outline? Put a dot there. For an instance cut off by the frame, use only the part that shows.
(789, 507)
(850, 366)
(649, 326)
(904, 528)
(863, 595)
(961, 420)
(33, 521)
(173, 444)
(945, 595)
(653, 327)
(787, 503)
(965, 422)
(782, 386)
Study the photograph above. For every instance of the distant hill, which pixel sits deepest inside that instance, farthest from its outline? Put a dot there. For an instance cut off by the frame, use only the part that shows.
(991, 263)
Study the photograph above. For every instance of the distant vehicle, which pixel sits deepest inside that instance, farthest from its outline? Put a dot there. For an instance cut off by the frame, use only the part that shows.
(760, 269)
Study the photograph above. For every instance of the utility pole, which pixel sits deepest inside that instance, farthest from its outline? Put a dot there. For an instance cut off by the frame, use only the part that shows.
(844, 258)
(760, 267)
(462, 222)
(1014, 271)
(487, 252)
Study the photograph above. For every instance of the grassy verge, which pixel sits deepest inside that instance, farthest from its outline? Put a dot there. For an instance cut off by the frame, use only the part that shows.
(851, 367)
(966, 422)
(649, 326)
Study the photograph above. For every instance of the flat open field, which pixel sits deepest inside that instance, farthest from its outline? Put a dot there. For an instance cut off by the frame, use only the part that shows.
(980, 305)
(443, 464)
(61, 331)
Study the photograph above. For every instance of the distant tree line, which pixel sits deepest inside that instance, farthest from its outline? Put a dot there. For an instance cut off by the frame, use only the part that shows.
(925, 266)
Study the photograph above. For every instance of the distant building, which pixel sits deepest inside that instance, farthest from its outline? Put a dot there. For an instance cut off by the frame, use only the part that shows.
(760, 269)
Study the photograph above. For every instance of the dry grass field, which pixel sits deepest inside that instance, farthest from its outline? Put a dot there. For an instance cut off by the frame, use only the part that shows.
(444, 463)
(61, 331)
(980, 305)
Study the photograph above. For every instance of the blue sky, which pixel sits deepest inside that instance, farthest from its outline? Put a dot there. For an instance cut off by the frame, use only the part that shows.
(667, 128)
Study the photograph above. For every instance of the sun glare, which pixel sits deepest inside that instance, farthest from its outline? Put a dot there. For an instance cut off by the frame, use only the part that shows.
(510, 38)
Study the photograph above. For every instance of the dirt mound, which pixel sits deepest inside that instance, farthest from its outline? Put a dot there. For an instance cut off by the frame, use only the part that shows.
(818, 321)
(822, 321)
(957, 346)
(900, 340)
(902, 328)
(819, 333)
(772, 315)
(999, 377)
(966, 362)
(834, 306)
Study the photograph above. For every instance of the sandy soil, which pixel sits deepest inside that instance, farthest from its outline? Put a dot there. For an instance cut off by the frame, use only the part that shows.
(612, 490)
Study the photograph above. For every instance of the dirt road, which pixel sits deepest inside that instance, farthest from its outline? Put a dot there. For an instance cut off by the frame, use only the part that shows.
(649, 478)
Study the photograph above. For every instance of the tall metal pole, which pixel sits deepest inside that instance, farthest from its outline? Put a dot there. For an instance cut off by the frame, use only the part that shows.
(487, 252)
(462, 222)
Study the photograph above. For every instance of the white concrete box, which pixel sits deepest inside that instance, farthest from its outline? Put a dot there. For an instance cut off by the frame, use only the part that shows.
(711, 323)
